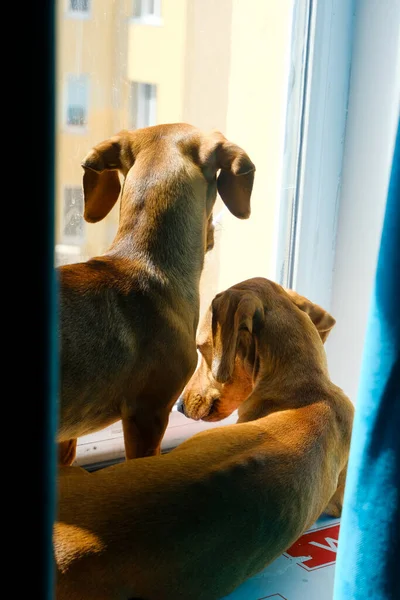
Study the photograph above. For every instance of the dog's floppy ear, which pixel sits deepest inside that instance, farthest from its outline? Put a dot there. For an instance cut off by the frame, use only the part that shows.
(236, 177)
(101, 184)
(248, 316)
(322, 320)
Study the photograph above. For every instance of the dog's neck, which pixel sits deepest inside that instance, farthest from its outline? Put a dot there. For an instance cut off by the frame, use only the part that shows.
(285, 383)
(162, 235)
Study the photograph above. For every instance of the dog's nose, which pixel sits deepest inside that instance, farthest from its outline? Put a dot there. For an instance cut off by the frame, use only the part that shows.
(180, 406)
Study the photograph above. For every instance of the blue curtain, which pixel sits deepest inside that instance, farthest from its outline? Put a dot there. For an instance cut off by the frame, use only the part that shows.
(369, 544)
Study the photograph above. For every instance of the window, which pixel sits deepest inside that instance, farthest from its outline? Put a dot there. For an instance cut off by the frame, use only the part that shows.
(147, 11)
(73, 223)
(273, 77)
(77, 101)
(198, 67)
(144, 105)
(276, 81)
(78, 8)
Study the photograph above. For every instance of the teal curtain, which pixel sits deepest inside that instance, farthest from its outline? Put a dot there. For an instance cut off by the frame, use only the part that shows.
(369, 543)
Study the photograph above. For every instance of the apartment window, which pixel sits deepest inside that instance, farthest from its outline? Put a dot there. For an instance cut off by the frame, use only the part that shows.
(78, 8)
(72, 216)
(144, 105)
(147, 11)
(77, 101)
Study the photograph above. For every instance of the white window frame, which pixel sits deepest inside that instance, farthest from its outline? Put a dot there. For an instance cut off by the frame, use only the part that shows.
(346, 58)
(79, 129)
(145, 104)
(373, 116)
(146, 16)
(78, 14)
(351, 114)
(320, 156)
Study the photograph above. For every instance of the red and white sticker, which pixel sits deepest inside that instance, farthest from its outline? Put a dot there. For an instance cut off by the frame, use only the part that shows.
(316, 549)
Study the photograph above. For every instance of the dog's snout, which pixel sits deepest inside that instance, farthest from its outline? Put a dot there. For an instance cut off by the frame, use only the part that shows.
(180, 407)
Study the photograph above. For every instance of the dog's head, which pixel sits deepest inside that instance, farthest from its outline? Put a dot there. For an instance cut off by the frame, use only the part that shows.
(251, 330)
(176, 157)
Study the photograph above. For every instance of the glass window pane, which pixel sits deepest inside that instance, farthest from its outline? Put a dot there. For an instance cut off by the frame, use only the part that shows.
(231, 65)
(73, 223)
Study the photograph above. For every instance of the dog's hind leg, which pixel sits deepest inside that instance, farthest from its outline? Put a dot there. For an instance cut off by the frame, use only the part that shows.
(67, 452)
(334, 508)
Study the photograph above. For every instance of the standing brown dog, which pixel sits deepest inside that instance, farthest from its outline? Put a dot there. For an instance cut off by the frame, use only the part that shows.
(128, 318)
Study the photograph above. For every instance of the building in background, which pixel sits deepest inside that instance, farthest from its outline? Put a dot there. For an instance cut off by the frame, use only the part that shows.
(92, 104)
(217, 65)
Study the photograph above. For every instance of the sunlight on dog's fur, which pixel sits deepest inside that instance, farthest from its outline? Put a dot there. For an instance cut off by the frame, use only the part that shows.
(197, 522)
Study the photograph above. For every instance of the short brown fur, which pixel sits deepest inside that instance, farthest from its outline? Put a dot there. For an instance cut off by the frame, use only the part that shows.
(128, 318)
(195, 523)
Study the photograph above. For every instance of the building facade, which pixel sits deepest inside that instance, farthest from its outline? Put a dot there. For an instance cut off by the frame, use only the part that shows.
(128, 64)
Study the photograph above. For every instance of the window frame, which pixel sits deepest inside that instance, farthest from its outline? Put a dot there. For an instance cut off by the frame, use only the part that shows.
(372, 121)
(344, 107)
(321, 151)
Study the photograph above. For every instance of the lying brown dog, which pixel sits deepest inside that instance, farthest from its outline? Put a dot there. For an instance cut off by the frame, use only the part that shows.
(225, 377)
(195, 523)
(128, 318)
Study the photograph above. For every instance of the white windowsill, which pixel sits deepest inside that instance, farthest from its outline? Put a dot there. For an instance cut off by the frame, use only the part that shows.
(107, 446)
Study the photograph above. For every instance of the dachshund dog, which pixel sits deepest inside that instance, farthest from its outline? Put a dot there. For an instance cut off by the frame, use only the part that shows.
(195, 523)
(128, 318)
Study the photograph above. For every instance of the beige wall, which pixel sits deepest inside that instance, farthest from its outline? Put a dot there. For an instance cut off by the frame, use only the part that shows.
(237, 57)
(256, 117)
(156, 54)
(207, 73)
(207, 63)
(93, 46)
